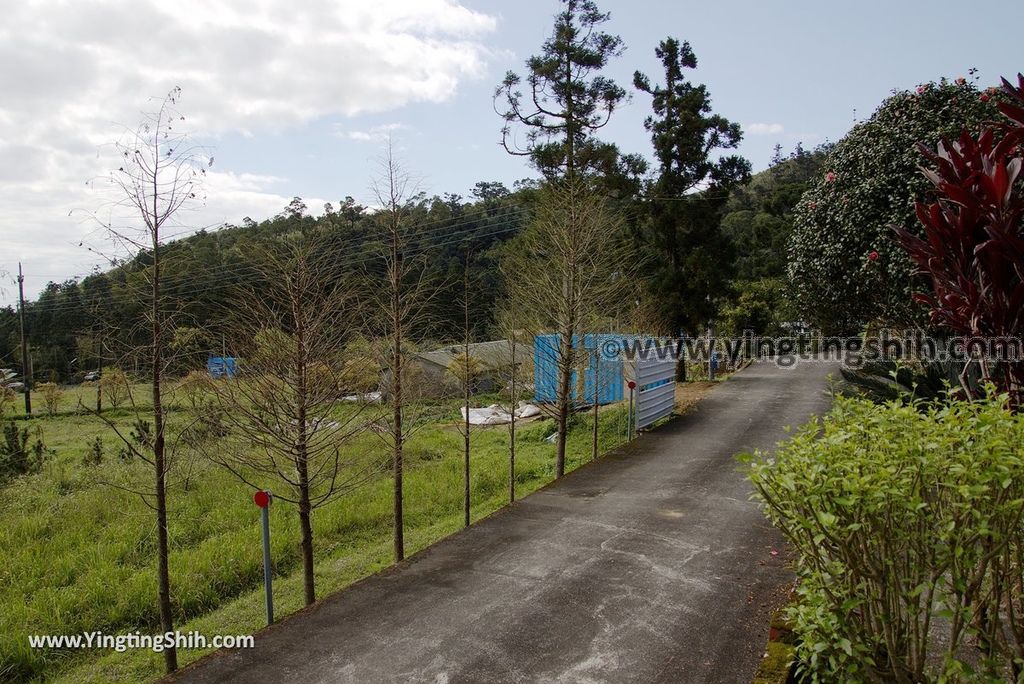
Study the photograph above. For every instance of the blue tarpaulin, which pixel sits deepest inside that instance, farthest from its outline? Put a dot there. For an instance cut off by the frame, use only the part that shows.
(221, 366)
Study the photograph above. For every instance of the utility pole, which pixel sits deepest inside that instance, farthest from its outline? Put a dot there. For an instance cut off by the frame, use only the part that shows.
(99, 374)
(26, 372)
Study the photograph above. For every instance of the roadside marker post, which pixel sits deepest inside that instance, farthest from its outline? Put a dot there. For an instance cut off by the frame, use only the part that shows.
(629, 418)
(262, 499)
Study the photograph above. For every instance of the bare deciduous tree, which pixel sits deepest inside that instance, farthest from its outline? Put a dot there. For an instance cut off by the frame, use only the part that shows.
(395, 309)
(568, 271)
(465, 368)
(518, 371)
(282, 415)
(604, 370)
(159, 175)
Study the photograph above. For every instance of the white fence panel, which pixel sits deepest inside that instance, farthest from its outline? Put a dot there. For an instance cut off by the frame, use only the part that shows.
(656, 398)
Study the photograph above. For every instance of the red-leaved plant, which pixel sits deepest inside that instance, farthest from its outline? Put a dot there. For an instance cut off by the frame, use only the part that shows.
(973, 245)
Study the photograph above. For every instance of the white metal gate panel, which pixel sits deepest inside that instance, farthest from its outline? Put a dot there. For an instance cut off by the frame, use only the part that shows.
(656, 398)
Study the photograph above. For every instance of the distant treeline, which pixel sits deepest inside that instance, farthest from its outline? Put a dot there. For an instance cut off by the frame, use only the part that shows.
(73, 323)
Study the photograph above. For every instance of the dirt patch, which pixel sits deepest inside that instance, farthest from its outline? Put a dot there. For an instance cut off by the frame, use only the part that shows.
(689, 393)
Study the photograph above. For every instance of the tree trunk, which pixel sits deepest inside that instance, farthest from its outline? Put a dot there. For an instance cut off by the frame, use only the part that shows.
(566, 361)
(512, 424)
(396, 394)
(302, 461)
(465, 470)
(397, 472)
(570, 122)
(564, 384)
(597, 387)
(681, 369)
(466, 390)
(160, 465)
(465, 460)
(306, 541)
(163, 572)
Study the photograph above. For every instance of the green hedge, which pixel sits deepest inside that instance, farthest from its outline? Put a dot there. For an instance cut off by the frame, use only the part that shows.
(907, 526)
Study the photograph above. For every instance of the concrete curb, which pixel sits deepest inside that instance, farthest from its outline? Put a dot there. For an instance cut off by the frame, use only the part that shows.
(778, 666)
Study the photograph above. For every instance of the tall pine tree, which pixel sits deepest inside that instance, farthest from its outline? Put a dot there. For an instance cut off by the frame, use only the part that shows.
(567, 98)
(567, 101)
(691, 256)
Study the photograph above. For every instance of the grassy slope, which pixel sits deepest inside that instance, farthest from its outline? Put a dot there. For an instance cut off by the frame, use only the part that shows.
(79, 554)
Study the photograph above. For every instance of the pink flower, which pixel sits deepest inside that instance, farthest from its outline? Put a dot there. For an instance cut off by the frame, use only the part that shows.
(921, 89)
(812, 205)
(960, 80)
(829, 177)
(873, 256)
(984, 97)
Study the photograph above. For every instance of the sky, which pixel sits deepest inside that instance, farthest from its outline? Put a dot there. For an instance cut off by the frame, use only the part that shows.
(298, 98)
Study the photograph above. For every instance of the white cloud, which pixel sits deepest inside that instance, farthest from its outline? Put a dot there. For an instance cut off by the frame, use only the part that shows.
(73, 69)
(375, 133)
(764, 129)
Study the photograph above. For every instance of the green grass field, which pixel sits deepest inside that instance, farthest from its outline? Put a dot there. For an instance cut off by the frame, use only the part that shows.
(78, 553)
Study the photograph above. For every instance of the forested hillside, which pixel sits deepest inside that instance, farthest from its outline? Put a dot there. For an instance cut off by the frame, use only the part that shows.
(203, 274)
(73, 322)
(758, 222)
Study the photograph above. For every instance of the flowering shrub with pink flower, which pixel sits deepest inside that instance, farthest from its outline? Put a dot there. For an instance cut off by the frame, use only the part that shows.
(871, 181)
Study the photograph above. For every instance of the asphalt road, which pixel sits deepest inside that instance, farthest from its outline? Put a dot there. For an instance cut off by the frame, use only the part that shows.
(651, 565)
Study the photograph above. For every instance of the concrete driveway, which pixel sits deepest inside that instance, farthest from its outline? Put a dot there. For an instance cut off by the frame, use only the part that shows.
(651, 565)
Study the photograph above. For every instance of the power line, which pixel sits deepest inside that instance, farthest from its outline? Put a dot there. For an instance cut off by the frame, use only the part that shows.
(228, 275)
(441, 226)
(369, 251)
(228, 272)
(695, 197)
